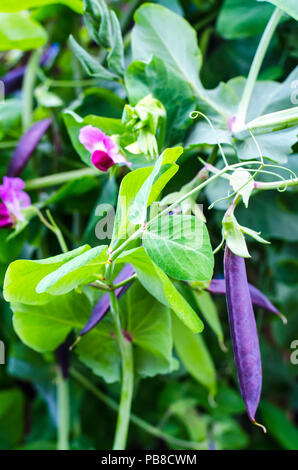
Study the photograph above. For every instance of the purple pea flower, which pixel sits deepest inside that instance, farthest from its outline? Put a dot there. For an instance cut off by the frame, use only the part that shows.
(104, 151)
(14, 199)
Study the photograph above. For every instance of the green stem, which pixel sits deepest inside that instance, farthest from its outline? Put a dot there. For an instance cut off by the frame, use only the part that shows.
(127, 379)
(126, 281)
(276, 184)
(28, 89)
(60, 178)
(8, 145)
(142, 424)
(63, 412)
(256, 64)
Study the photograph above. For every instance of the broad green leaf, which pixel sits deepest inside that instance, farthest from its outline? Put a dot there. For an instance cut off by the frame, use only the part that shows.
(12, 417)
(18, 5)
(99, 350)
(74, 123)
(289, 6)
(180, 246)
(19, 31)
(279, 426)
(23, 276)
(138, 211)
(148, 324)
(194, 355)
(159, 285)
(208, 310)
(242, 18)
(142, 186)
(91, 64)
(156, 33)
(44, 327)
(79, 271)
(130, 186)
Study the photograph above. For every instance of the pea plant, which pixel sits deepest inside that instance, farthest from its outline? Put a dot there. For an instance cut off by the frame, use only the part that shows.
(149, 171)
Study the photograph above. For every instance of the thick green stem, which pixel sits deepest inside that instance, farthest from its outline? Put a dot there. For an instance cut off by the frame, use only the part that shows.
(127, 379)
(60, 178)
(142, 424)
(63, 412)
(256, 64)
(28, 88)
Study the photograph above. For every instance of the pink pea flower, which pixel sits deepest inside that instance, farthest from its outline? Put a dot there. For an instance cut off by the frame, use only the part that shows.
(104, 151)
(14, 199)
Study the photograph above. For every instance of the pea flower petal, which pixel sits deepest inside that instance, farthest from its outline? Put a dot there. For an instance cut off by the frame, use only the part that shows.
(5, 217)
(13, 197)
(104, 151)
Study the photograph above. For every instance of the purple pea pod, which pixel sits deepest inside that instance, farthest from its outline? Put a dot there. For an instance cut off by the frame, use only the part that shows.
(243, 333)
(103, 306)
(14, 78)
(26, 146)
(218, 286)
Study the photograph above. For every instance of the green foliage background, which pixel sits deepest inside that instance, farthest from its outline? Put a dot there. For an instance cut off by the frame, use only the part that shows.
(186, 385)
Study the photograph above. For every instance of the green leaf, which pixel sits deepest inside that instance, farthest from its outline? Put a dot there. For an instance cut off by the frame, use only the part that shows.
(74, 123)
(79, 271)
(147, 323)
(12, 417)
(19, 31)
(159, 286)
(289, 6)
(242, 18)
(208, 310)
(160, 32)
(115, 58)
(23, 276)
(279, 426)
(194, 355)
(180, 246)
(99, 350)
(44, 327)
(138, 211)
(139, 189)
(8, 6)
(91, 65)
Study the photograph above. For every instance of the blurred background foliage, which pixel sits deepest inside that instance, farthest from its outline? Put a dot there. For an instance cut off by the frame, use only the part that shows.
(228, 33)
